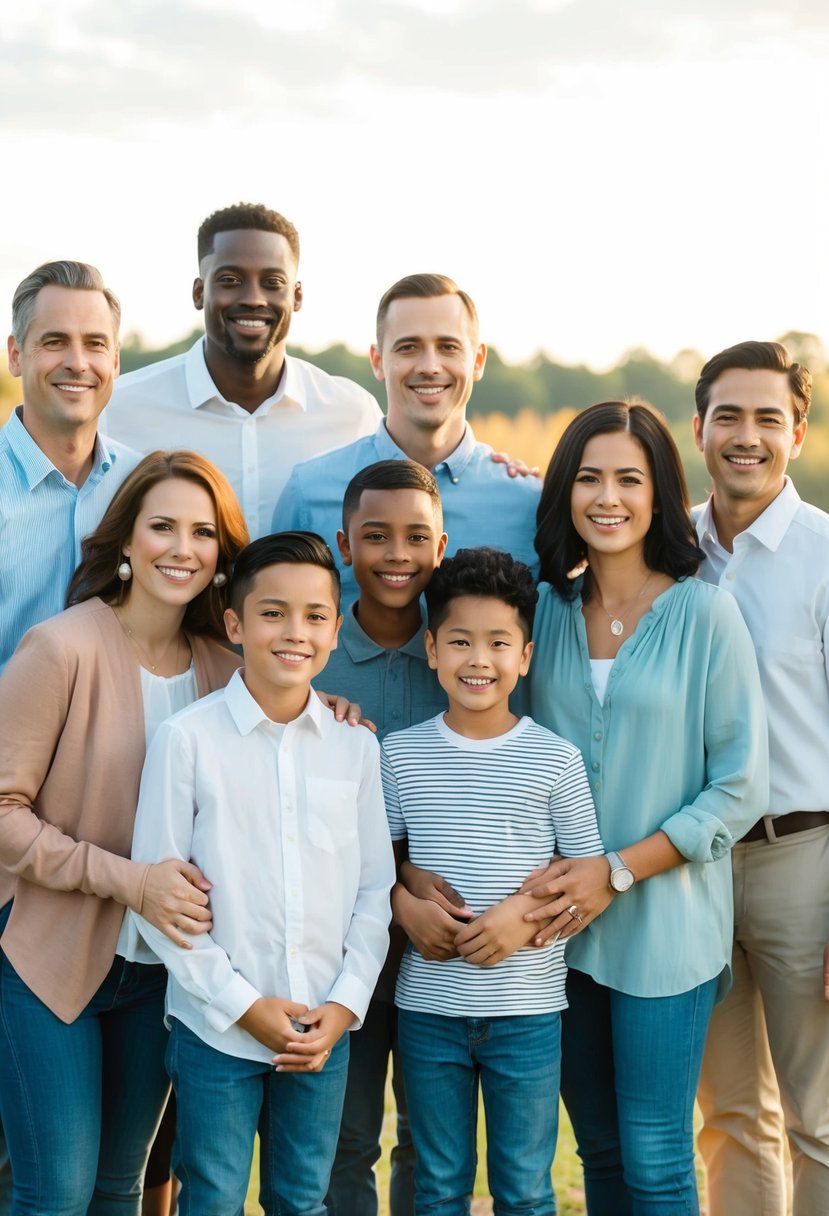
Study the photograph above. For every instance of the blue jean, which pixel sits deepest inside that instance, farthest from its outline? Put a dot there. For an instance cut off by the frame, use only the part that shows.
(353, 1190)
(629, 1074)
(5, 1167)
(517, 1061)
(80, 1102)
(222, 1099)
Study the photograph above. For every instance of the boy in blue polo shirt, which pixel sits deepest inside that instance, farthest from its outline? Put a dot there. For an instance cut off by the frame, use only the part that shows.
(392, 537)
(484, 798)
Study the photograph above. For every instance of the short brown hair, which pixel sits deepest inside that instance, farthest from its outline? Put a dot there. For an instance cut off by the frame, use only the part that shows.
(757, 356)
(102, 551)
(424, 287)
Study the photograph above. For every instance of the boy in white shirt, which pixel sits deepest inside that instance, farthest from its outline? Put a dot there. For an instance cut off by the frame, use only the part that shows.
(483, 798)
(281, 806)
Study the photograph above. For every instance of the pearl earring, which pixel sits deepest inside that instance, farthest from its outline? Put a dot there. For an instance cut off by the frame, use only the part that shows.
(125, 571)
(219, 579)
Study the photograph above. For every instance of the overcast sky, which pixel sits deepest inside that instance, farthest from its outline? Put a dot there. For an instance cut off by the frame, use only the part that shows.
(597, 176)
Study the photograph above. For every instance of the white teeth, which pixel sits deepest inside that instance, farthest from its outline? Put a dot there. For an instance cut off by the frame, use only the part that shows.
(73, 388)
(396, 578)
(607, 521)
(251, 324)
(475, 683)
(746, 460)
(290, 657)
(175, 572)
(424, 390)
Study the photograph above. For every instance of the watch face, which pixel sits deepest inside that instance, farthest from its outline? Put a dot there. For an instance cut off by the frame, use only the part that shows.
(621, 880)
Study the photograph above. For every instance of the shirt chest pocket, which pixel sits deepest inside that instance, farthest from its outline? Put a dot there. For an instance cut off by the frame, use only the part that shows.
(332, 813)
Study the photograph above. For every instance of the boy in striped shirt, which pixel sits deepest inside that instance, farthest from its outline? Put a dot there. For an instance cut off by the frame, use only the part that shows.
(483, 798)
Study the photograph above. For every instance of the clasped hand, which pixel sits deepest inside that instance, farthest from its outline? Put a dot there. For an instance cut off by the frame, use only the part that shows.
(568, 882)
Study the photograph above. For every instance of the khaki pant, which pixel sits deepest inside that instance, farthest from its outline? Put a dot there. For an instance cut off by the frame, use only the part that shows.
(765, 1072)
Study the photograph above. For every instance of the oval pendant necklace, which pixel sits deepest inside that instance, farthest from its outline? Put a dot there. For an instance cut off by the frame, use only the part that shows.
(617, 627)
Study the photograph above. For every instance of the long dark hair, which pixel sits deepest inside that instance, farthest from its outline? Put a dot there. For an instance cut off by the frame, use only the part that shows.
(101, 552)
(671, 543)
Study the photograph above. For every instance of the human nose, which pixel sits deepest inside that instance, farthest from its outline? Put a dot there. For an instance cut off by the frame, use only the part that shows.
(746, 436)
(76, 357)
(428, 362)
(608, 492)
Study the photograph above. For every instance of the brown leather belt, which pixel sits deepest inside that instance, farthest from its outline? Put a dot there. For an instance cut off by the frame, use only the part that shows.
(771, 828)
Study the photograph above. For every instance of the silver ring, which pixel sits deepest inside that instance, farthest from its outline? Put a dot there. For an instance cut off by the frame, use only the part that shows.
(573, 911)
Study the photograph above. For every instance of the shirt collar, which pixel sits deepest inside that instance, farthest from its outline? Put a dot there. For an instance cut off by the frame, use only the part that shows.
(455, 463)
(360, 647)
(201, 389)
(36, 465)
(247, 713)
(769, 528)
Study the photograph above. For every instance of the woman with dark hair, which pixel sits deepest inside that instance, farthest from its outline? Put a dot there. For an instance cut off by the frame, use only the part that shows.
(652, 674)
(82, 1080)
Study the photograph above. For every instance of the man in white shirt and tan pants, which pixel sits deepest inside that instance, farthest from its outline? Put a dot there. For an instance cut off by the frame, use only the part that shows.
(765, 1075)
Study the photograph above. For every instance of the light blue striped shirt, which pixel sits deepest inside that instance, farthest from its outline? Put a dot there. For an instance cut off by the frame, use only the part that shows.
(482, 504)
(679, 744)
(43, 519)
(485, 813)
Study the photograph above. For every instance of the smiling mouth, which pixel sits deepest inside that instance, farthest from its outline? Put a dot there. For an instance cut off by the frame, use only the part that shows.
(745, 462)
(397, 580)
(290, 656)
(69, 386)
(608, 521)
(429, 390)
(178, 573)
(477, 681)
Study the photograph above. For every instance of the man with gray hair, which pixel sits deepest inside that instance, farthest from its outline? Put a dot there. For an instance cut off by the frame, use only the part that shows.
(57, 475)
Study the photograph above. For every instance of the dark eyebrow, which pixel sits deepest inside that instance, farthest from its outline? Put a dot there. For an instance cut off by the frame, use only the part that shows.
(756, 409)
(381, 523)
(492, 633)
(268, 599)
(586, 468)
(170, 519)
(244, 269)
(61, 333)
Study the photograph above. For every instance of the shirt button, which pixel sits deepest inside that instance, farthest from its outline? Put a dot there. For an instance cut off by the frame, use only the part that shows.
(597, 735)
(597, 785)
(730, 576)
(454, 480)
(595, 766)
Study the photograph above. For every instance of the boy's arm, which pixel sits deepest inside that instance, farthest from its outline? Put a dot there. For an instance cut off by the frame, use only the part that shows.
(164, 828)
(429, 925)
(367, 938)
(502, 929)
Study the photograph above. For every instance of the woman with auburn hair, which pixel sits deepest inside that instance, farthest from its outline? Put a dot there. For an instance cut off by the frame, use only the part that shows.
(82, 1039)
(651, 673)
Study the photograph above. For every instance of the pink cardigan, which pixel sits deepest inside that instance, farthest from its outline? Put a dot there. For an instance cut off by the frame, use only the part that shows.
(71, 753)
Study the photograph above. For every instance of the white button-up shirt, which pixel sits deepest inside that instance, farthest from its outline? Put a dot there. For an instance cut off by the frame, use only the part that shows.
(175, 404)
(288, 823)
(779, 575)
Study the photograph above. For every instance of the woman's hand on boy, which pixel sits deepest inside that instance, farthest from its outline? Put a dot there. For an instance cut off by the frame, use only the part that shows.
(270, 1021)
(429, 928)
(309, 1052)
(498, 932)
(174, 900)
(573, 891)
(345, 710)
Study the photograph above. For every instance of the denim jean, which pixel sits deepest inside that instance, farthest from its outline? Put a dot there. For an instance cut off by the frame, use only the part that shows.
(5, 1167)
(517, 1062)
(80, 1102)
(629, 1075)
(353, 1190)
(222, 1099)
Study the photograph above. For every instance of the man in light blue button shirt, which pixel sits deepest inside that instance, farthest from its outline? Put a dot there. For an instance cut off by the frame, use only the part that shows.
(57, 475)
(429, 356)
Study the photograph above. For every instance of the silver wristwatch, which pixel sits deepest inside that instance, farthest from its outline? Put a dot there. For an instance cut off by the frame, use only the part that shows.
(621, 878)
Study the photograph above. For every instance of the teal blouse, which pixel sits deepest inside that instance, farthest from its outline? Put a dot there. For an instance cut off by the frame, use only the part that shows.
(679, 744)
